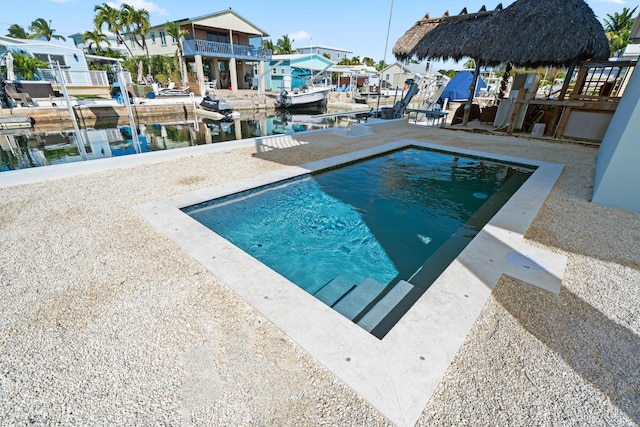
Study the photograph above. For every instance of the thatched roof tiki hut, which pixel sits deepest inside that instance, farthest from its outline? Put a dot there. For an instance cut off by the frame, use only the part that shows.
(528, 33)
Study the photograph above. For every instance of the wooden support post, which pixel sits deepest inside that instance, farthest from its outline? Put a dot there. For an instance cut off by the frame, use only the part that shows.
(516, 110)
(472, 92)
(551, 130)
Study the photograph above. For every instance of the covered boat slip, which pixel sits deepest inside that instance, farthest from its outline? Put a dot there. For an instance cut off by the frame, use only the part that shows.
(519, 35)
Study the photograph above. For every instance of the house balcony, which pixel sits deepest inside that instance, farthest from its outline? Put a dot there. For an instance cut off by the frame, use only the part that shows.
(225, 50)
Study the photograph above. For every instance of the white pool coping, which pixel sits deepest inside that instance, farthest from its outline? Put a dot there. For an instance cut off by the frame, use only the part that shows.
(398, 374)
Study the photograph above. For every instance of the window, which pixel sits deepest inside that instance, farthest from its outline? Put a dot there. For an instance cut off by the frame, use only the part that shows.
(174, 41)
(133, 44)
(213, 36)
(163, 38)
(153, 37)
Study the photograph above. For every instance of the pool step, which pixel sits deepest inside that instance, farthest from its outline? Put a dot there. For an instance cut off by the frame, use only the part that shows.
(333, 290)
(352, 300)
(358, 298)
(379, 311)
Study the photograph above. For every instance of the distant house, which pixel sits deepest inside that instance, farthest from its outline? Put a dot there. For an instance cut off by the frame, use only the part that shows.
(357, 76)
(396, 74)
(291, 71)
(335, 54)
(632, 51)
(73, 62)
(112, 44)
(222, 49)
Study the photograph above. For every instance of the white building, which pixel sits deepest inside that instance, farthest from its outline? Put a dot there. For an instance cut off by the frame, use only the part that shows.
(334, 54)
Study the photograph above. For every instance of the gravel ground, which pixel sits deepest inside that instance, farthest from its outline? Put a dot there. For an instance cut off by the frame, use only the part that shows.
(107, 322)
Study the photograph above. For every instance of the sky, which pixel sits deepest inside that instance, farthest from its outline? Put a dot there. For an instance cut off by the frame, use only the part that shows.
(367, 28)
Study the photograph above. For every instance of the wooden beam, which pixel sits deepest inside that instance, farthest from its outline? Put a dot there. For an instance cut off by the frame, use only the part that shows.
(516, 109)
(472, 92)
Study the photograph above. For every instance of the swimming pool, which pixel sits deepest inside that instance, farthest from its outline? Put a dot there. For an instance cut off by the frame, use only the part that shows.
(398, 373)
(367, 238)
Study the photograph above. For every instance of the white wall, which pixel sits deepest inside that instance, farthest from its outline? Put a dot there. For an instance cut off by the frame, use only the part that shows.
(617, 180)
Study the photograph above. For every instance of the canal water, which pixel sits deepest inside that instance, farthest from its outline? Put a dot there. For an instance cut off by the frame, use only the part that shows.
(21, 149)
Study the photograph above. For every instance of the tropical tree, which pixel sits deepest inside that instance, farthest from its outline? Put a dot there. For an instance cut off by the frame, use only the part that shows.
(381, 65)
(26, 65)
(369, 62)
(17, 32)
(268, 44)
(448, 73)
(173, 29)
(97, 37)
(470, 64)
(42, 28)
(112, 19)
(284, 45)
(617, 28)
(136, 21)
(353, 61)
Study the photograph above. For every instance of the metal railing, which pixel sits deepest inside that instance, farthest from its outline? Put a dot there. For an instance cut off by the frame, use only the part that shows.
(80, 78)
(225, 50)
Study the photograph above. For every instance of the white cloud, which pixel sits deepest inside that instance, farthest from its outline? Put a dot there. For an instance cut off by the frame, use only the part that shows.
(139, 4)
(299, 35)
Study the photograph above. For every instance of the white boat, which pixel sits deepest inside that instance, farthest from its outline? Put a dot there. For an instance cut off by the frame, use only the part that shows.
(305, 97)
(215, 115)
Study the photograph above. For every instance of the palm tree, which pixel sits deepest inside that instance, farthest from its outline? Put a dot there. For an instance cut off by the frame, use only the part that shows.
(617, 28)
(137, 21)
(368, 61)
(17, 32)
(42, 28)
(381, 65)
(268, 44)
(26, 66)
(97, 37)
(111, 18)
(173, 29)
(285, 45)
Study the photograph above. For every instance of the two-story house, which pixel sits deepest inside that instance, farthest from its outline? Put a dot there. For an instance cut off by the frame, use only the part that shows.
(221, 47)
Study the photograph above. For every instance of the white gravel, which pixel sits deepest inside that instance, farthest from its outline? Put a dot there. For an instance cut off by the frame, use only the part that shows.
(105, 321)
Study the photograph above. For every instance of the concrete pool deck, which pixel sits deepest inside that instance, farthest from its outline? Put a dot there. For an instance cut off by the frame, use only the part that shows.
(107, 321)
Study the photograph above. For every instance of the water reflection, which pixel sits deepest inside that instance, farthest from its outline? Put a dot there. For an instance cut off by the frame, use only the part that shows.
(32, 148)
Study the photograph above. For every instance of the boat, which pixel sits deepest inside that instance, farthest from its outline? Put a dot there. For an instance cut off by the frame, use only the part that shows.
(306, 97)
(215, 108)
(290, 121)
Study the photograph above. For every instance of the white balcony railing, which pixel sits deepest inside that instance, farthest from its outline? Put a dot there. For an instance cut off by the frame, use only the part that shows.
(79, 78)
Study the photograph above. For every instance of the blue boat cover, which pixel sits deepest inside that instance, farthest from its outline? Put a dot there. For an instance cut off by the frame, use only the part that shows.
(458, 87)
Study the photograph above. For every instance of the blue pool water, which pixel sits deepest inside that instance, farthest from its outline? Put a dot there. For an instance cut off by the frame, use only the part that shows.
(377, 220)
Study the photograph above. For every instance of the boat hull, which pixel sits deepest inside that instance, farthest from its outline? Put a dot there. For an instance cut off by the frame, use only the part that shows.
(306, 98)
(215, 115)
